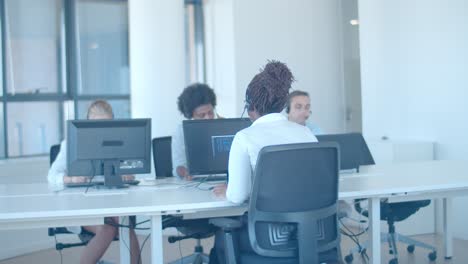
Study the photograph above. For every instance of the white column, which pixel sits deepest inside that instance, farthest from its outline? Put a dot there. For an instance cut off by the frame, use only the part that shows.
(157, 61)
(374, 226)
(220, 55)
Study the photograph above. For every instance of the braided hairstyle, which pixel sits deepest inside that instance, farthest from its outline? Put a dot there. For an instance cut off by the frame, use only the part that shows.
(194, 96)
(268, 91)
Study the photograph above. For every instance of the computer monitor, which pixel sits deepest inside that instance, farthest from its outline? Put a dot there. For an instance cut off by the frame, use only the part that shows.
(354, 151)
(109, 147)
(207, 143)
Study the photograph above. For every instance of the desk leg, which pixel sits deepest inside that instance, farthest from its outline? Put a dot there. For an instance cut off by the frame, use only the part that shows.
(124, 241)
(448, 227)
(156, 240)
(374, 226)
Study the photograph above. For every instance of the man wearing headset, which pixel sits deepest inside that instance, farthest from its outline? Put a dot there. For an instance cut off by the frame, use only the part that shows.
(298, 110)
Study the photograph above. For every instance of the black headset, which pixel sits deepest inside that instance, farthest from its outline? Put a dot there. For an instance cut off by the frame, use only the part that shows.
(248, 103)
(288, 107)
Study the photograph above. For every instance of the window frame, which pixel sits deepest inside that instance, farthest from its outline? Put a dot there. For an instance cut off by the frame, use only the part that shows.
(68, 74)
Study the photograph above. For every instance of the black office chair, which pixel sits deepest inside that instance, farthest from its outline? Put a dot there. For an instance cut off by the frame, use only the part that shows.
(198, 228)
(354, 153)
(162, 158)
(292, 215)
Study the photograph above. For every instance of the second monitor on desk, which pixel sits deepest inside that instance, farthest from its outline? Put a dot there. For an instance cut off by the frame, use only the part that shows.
(208, 142)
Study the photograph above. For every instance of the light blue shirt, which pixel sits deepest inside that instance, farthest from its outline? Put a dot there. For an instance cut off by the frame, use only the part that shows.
(316, 130)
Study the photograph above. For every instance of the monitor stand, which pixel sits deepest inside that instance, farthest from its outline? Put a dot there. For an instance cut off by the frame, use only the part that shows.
(112, 176)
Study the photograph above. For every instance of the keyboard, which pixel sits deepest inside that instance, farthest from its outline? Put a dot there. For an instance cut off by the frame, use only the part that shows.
(96, 183)
(210, 178)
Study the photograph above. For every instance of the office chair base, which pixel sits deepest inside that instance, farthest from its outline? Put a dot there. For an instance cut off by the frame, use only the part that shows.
(391, 239)
(197, 258)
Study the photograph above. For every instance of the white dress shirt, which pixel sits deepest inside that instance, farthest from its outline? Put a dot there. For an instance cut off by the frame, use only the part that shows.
(268, 130)
(58, 169)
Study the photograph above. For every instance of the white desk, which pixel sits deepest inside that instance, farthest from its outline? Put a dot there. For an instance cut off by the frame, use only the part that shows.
(34, 205)
(407, 181)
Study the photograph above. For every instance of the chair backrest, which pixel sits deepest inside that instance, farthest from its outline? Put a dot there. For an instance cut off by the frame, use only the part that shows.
(354, 151)
(293, 205)
(54, 151)
(162, 157)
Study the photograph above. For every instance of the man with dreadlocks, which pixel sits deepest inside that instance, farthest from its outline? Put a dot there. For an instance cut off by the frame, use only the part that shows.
(265, 98)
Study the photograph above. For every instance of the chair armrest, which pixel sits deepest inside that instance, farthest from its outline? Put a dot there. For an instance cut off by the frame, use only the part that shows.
(226, 223)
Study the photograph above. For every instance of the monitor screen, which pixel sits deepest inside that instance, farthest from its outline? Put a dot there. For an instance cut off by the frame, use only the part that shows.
(353, 149)
(124, 144)
(207, 143)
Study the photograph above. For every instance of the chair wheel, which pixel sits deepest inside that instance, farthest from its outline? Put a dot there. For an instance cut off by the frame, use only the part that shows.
(432, 256)
(393, 261)
(410, 248)
(349, 258)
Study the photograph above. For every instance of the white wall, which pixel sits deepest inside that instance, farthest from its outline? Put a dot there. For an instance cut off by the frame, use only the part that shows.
(414, 70)
(305, 34)
(157, 61)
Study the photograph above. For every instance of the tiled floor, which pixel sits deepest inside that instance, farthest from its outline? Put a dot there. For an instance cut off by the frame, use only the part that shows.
(172, 252)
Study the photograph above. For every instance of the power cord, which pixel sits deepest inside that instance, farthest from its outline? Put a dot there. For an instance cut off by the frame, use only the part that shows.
(110, 221)
(142, 247)
(90, 183)
(197, 184)
(355, 238)
(60, 251)
(180, 250)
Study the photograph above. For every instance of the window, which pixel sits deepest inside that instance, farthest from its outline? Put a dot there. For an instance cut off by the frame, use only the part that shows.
(57, 56)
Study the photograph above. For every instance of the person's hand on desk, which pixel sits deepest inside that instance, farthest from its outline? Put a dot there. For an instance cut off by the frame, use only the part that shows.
(184, 173)
(220, 190)
(128, 177)
(75, 179)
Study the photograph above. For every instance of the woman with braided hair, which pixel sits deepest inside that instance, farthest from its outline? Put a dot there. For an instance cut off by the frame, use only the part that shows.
(265, 98)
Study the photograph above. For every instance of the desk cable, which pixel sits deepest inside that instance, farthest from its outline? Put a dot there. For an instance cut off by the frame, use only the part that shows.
(355, 238)
(90, 183)
(197, 184)
(134, 227)
(60, 251)
(180, 250)
(142, 247)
